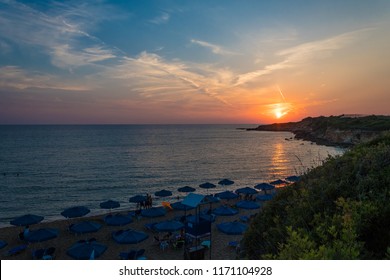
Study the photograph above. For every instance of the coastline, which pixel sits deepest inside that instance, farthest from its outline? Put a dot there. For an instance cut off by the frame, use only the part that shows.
(338, 131)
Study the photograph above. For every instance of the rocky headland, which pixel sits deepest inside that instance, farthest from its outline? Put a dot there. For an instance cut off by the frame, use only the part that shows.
(341, 130)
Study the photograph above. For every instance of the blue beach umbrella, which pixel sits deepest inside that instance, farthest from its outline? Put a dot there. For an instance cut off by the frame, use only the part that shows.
(138, 199)
(85, 227)
(293, 178)
(129, 236)
(226, 182)
(207, 185)
(168, 226)
(163, 193)
(246, 190)
(278, 182)
(225, 211)
(110, 204)
(75, 212)
(245, 204)
(3, 244)
(117, 220)
(154, 212)
(41, 234)
(26, 220)
(232, 228)
(180, 206)
(84, 250)
(264, 187)
(186, 189)
(226, 195)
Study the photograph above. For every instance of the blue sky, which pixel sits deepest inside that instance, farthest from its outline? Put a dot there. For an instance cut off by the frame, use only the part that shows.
(191, 61)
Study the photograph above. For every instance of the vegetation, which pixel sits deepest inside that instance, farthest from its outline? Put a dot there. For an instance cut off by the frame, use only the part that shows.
(368, 123)
(339, 210)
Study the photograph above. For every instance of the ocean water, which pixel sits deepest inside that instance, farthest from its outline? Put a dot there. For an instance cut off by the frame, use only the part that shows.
(45, 169)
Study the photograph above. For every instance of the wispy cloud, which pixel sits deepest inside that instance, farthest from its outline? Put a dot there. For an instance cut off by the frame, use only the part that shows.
(298, 55)
(162, 18)
(60, 32)
(63, 56)
(15, 77)
(213, 47)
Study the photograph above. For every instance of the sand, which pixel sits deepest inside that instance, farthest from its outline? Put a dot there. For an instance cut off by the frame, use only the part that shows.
(220, 249)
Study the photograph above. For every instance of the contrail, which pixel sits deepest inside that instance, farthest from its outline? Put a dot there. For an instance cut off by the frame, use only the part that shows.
(281, 93)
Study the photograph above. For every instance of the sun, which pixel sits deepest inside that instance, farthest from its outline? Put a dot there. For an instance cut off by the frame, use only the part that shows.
(278, 114)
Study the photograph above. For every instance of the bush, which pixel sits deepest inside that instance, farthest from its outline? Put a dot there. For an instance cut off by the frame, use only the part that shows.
(339, 210)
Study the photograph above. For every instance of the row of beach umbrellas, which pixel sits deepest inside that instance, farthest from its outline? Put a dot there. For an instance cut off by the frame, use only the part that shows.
(79, 211)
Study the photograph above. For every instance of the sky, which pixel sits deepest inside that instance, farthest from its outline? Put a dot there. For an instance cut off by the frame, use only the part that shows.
(180, 62)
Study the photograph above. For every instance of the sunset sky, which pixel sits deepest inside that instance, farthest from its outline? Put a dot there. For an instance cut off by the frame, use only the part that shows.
(127, 62)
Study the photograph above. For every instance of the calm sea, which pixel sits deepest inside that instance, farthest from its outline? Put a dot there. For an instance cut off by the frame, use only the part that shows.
(45, 169)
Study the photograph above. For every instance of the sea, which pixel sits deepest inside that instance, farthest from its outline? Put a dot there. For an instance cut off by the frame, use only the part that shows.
(47, 168)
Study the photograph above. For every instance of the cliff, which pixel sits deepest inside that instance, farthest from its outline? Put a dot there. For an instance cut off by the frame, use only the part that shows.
(334, 130)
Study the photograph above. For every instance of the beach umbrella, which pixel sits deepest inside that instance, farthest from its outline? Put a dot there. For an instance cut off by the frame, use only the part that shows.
(264, 197)
(186, 189)
(168, 226)
(75, 212)
(226, 195)
(264, 187)
(232, 228)
(3, 244)
(129, 236)
(163, 193)
(138, 199)
(84, 250)
(293, 178)
(278, 182)
(245, 204)
(85, 227)
(180, 206)
(225, 211)
(246, 190)
(117, 220)
(26, 220)
(154, 212)
(41, 234)
(110, 204)
(226, 182)
(207, 185)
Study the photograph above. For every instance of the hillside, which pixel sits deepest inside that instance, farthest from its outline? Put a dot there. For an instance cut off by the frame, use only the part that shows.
(339, 210)
(334, 130)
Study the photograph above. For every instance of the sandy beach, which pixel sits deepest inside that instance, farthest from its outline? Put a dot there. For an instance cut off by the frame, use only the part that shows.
(220, 249)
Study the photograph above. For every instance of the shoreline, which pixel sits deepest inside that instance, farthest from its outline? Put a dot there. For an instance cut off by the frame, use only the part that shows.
(220, 249)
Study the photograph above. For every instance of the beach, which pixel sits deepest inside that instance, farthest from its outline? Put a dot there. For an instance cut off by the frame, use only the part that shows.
(220, 249)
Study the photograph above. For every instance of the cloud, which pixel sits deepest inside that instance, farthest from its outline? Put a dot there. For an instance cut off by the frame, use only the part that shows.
(298, 55)
(61, 32)
(15, 77)
(214, 48)
(63, 56)
(162, 18)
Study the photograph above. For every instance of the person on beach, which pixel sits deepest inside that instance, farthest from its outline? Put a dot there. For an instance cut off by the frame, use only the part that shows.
(24, 233)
